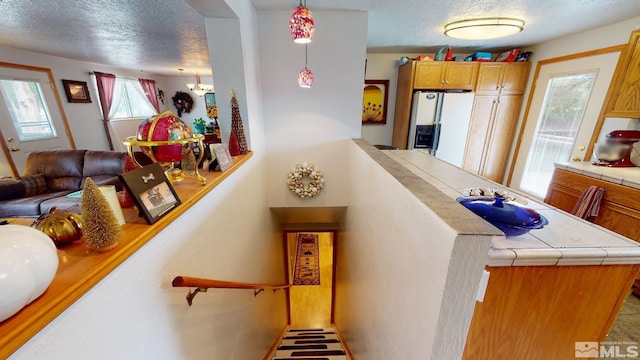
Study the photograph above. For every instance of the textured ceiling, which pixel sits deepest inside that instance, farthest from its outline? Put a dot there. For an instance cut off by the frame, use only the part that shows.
(160, 36)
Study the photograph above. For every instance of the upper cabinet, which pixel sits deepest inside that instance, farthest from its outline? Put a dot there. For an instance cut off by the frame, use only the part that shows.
(445, 75)
(624, 94)
(502, 78)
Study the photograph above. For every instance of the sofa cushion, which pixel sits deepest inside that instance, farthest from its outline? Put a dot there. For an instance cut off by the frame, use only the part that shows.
(27, 206)
(56, 163)
(103, 163)
(34, 184)
(11, 189)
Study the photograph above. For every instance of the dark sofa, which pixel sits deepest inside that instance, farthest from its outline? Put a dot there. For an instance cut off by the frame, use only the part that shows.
(50, 176)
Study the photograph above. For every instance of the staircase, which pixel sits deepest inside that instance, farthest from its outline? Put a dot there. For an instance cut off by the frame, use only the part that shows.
(310, 344)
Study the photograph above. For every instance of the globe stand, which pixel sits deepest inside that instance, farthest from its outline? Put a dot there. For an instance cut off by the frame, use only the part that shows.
(173, 174)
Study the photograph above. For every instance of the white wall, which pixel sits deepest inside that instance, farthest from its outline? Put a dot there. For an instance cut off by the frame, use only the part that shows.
(397, 297)
(134, 313)
(311, 125)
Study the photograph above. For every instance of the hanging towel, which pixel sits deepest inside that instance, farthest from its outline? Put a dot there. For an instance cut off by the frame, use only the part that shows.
(588, 203)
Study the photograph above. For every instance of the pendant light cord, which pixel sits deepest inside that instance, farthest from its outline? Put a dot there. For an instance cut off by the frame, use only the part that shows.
(305, 56)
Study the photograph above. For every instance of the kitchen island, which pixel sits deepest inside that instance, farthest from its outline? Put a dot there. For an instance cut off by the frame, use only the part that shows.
(547, 289)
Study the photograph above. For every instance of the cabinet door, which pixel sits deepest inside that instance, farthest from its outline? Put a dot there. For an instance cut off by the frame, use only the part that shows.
(514, 80)
(461, 75)
(627, 103)
(500, 137)
(429, 75)
(490, 78)
(503, 78)
(481, 115)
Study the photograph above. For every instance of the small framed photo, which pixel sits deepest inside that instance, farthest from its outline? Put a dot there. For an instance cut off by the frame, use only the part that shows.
(210, 99)
(374, 102)
(220, 152)
(77, 91)
(151, 191)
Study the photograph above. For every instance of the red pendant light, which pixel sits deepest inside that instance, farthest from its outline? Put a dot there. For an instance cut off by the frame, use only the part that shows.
(301, 24)
(305, 76)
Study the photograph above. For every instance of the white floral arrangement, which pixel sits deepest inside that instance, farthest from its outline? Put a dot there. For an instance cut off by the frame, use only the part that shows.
(305, 188)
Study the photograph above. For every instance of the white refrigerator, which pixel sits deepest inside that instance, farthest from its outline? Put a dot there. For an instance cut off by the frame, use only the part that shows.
(440, 124)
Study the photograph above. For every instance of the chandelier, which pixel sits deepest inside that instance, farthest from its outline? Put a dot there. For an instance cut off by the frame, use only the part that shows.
(301, 24)
(198, 88)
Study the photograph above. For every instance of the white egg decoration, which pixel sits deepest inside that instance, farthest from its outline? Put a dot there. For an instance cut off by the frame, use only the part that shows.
(28, 264)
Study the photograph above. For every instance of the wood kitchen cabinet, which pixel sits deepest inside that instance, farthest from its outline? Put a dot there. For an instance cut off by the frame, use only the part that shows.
(496, 106)
(445, 75)
(503, 78)
(539, 312)
(491, 132)
(619, 209)
(624, 93)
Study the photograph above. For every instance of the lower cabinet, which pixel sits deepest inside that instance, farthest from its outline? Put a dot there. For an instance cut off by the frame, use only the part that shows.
(491, 131)
(619, 209)
(539, 312)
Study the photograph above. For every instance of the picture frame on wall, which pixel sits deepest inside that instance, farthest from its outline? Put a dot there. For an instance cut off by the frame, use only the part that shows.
(210, 99)
(76, 91)
(374, 102)
(151, 191)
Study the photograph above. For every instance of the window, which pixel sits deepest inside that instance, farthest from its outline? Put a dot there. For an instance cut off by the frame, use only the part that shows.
(28, 109)
(132, 102)
(562, 113)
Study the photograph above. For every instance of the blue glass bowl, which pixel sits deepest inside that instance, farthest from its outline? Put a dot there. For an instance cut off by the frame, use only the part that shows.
(512, 219)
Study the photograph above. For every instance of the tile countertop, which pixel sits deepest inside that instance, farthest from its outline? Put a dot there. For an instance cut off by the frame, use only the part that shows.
(627, 176)
(567, 240)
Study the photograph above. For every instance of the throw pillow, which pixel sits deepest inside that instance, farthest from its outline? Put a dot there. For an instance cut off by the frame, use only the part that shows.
(34, 184)
(11, 189)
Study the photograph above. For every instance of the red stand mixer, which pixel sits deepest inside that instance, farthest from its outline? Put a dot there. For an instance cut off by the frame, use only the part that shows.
(616, 151)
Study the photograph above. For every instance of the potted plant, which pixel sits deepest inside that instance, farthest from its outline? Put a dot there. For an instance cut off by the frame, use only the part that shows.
(198, 125)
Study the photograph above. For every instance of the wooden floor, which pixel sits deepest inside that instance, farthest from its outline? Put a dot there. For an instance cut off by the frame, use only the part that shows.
(310, 305)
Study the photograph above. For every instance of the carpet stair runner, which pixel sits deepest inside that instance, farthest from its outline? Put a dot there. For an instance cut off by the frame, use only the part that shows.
(310, 344)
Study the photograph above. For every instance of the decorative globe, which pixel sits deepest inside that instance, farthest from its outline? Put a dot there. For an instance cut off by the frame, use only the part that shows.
(164, 127)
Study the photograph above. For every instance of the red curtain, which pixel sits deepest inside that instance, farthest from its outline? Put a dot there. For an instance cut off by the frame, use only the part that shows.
(106, 83)
(149, 87)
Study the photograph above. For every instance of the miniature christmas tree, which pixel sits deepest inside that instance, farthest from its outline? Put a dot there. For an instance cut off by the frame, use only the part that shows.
(234, 147)
(101, 230)
(236, 125)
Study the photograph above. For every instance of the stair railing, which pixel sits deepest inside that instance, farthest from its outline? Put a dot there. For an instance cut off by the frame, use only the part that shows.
(201, 285)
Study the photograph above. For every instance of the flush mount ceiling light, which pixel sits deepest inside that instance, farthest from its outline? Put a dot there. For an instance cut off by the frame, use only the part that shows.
(301, 24)
(485, 28)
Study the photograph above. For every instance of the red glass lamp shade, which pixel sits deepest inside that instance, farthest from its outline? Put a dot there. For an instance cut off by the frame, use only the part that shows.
(301, 25)
(305, 78)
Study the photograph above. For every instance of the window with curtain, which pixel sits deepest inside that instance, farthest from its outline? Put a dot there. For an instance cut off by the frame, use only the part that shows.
(130, 101)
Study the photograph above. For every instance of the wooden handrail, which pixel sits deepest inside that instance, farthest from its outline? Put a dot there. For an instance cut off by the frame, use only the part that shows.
(202, 285)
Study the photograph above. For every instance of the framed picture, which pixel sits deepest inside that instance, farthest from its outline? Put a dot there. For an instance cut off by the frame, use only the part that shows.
(210, 99)
(77, 91)
(221, 154)
(374, 102)
(151, 191)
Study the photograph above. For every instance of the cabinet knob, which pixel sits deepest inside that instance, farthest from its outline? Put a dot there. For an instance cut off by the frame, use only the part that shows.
(442, 82)
(14, 149)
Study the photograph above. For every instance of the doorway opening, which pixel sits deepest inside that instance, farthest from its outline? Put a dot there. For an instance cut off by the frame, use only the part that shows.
(310, 269)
